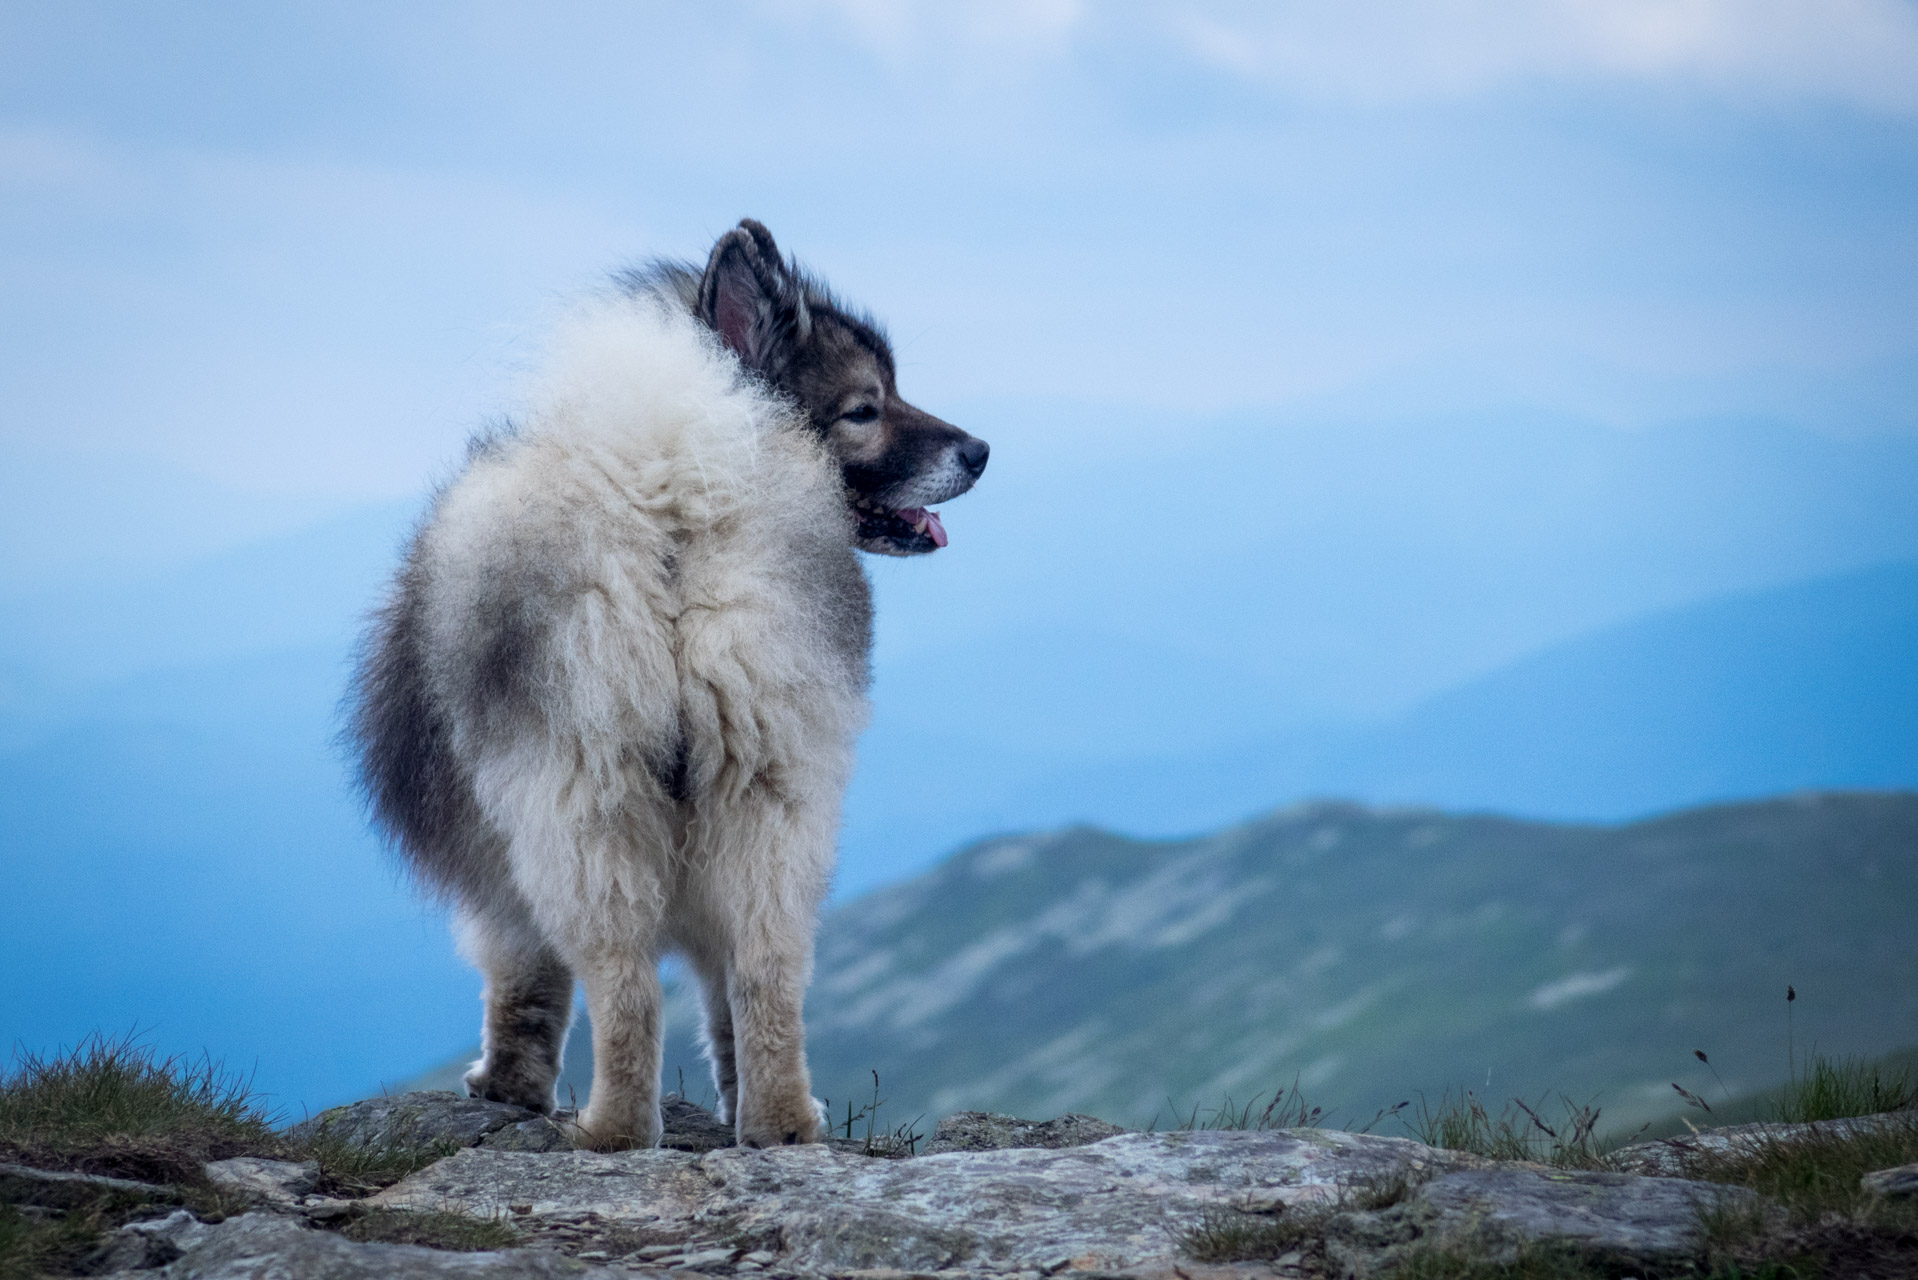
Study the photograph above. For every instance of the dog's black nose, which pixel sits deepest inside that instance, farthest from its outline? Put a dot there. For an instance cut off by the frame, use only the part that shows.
(974, 453)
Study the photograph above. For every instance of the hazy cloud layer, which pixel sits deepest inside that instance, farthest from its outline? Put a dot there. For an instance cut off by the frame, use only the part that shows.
(1858, 51)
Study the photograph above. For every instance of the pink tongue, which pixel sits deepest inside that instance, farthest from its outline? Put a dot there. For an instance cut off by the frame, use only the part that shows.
(934, 530)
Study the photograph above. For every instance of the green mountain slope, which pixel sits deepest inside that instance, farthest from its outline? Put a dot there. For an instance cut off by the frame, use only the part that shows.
(1372, 954)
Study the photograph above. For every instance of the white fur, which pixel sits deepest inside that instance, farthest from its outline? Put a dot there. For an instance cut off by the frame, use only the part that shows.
(685, 553)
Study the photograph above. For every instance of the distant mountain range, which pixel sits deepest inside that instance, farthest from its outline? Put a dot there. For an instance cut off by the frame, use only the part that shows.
(1811, 685)
(183, 853)
(1369, 954)
(1163, 635)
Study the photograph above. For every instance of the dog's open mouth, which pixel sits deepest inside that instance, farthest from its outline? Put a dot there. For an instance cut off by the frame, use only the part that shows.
(909, 528)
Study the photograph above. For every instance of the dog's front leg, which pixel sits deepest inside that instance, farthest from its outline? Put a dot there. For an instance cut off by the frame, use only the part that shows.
(766, 989)
(623, 999)
(764, 867)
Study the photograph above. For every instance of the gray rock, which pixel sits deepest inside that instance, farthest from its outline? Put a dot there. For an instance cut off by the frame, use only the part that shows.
(142, 1246)
(687, 1126)
(264, 1246)
(987, 1131)
(1902, 1181)
(415, 1120)
(1675, 1157)
(279, 1182)
(536, 1134)
(431, 1116)
(709, 1259)
(55, 1189)
(1121, 1204)
(1623, 1218)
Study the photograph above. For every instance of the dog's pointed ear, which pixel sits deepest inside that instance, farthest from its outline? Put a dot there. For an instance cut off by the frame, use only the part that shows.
(750, 298)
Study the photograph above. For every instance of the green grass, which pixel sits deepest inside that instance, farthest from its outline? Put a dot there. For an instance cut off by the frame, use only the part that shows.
(33, 1246)
(350, 1169)
(1817, 1173)
(897, 1143)
(1825, 1223)
(1819, 1088)
(1456, 1260)
(453, 1231)
(115, 1107)
(1285, 1110)
(1519, 1132)
(1225, 1234)
(1838, 1089)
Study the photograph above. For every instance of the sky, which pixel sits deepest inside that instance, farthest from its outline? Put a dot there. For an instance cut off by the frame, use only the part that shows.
(295, 250)
(1333, 355)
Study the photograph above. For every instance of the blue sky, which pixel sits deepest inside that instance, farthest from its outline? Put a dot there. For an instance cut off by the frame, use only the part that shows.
(1334, 356)
(294, 248)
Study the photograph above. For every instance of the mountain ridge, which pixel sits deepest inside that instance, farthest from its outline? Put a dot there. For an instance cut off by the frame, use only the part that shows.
(1370, 955)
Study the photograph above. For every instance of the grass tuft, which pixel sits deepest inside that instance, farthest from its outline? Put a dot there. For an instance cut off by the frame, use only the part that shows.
(1226, 1234)
(1839, 1089)
(1816, 1174)
(1286, 1110)
(433, 1229)
(32, 1246)
(1826, 1223)
(113, 1106)
(1231, 1235)
(349, 1170)
(1519, 1132)
(1543, 1260)
(896, 1143)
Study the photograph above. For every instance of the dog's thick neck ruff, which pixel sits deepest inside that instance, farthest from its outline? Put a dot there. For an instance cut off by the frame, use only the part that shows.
(834, 364)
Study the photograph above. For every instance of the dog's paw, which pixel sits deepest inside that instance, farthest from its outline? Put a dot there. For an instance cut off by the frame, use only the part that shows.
(803, 1120)
(532, 1095)
(590, 1132)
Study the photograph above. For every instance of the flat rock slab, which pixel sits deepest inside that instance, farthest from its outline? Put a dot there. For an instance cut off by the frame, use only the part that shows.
(1117, 1205)
(281, 1182)
(1621, 1217)
(261, 1246)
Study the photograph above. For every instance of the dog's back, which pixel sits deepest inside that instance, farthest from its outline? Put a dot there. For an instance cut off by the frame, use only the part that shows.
(626, 579)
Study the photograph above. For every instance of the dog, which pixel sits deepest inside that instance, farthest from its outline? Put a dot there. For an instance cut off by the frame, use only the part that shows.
(608, 708)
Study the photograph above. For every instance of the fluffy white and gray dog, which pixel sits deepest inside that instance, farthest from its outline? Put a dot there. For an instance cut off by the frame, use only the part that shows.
(608, 709)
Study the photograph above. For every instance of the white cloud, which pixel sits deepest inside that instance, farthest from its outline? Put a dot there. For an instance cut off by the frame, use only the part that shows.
(902, 29)
(1576, 987)
(1861, 51)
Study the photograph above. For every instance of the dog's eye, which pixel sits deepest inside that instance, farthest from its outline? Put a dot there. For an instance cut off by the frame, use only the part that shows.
(864, 413)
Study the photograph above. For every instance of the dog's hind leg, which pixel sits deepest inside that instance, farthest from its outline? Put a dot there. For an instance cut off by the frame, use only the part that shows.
(595, 888)
(529, 1004)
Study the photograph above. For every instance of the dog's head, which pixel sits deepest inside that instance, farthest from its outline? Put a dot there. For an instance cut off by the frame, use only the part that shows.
(837, 366)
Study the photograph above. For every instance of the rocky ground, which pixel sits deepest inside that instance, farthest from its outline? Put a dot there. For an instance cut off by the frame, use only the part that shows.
(987, 1196)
